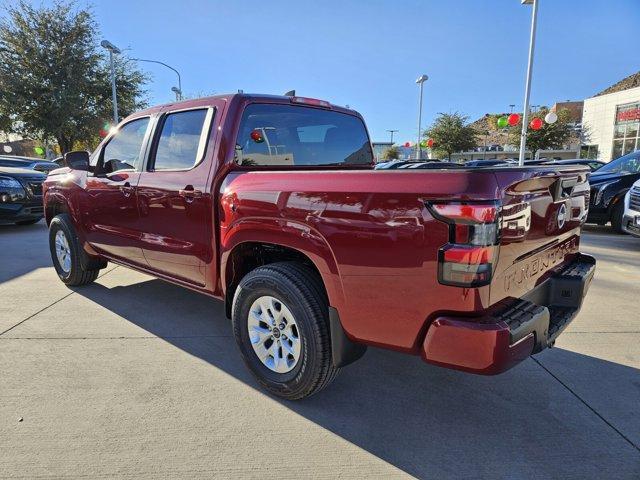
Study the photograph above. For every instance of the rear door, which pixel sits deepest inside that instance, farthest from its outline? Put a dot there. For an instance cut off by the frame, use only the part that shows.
(543, 209)
(174, 200)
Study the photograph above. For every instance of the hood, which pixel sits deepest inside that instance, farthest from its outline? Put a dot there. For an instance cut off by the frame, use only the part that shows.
(21, 172)
(596, 178)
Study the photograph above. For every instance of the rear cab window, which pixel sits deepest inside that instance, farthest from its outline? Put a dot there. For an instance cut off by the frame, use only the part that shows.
(298, 136)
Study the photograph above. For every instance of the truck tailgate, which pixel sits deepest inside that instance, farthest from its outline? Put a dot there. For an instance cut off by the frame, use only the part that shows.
(543, 209)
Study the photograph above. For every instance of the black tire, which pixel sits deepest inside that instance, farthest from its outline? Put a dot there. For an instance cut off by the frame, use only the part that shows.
(83, 270)
(616, 217)
(300, 289)
(29, 222)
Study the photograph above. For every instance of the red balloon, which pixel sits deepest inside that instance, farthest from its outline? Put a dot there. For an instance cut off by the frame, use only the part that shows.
(430, 142)
(513, 119)
(407, 144)
(256, 136)
(103, 133)
(536, 124)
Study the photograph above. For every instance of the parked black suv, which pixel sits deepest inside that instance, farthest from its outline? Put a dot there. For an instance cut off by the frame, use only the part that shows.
(609, 184)
(21, 195)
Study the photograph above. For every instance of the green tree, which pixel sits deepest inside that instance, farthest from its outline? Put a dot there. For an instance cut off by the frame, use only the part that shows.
(55, 81)
(550, 136)
(451, 132)
(391, 153)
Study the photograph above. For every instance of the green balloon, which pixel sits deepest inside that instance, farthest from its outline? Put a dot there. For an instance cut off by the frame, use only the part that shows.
(39, 150)
(423, 144)
(503, 122)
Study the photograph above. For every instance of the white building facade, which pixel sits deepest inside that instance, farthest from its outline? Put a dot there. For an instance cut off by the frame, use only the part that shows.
(611, 123)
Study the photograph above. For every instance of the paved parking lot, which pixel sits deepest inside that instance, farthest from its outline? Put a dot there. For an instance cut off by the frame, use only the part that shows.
(136, 378)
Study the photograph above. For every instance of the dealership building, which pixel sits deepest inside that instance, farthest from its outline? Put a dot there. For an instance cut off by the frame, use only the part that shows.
(611, 120)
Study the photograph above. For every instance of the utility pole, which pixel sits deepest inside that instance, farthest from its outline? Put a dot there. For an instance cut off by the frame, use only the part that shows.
(392, 132)
(113, 50)
(420, 81)
(527, 88)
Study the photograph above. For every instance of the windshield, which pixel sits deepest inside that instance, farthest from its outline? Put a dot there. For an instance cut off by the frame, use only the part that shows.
(625, 165)
(301, 136)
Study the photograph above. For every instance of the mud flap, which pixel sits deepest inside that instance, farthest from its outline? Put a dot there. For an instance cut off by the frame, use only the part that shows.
(343, 350)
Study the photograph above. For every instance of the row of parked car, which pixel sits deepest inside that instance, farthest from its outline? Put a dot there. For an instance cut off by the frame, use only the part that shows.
(21, 188)
(615, 186)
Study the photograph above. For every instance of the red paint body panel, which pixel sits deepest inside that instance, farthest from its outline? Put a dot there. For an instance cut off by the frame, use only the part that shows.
(480, 348)
(368, 232)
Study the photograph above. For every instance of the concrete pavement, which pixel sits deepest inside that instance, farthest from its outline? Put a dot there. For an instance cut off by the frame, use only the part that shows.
(136, 378)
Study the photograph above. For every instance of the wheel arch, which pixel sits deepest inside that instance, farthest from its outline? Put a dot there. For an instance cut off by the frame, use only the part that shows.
(55, 204)
(268, 242)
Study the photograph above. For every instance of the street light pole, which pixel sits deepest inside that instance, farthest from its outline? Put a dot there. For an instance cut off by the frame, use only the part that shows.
(392, 132)
(527, 88)
(112, 50)
(177, 91)
(420, 81)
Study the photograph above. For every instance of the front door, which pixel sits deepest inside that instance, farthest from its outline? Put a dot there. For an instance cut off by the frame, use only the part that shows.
(174, 200)
(112, 221)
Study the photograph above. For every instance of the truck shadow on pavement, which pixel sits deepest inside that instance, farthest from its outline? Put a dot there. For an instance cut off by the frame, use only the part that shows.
(427, 421)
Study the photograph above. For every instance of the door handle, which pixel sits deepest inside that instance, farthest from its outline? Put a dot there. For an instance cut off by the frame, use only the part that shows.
(189, 193)
(126, 189)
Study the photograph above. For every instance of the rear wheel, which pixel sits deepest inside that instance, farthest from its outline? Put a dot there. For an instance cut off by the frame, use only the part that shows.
(616, 217)
(72, 264)
(281, 325)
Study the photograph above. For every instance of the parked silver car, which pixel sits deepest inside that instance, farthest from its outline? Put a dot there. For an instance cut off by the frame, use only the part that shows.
(631, 216)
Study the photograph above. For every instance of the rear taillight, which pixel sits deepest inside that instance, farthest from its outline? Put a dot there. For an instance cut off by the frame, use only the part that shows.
(467, 259)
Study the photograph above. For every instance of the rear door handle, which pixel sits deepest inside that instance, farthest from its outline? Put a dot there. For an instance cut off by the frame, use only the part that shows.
(126, 189)
(189, 193)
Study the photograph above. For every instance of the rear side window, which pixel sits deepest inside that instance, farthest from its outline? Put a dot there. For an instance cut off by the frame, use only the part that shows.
(123, 150)
(291, 135)
(182, 140)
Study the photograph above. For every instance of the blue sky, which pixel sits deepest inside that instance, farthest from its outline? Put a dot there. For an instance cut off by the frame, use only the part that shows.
(368, 53)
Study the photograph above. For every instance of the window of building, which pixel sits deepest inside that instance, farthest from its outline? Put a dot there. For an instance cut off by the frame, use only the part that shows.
(182, 140)
(589, 151)
(626, 131)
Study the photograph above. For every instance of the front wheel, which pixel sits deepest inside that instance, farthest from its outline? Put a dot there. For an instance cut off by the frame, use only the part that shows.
(280, 322)
(69, 260)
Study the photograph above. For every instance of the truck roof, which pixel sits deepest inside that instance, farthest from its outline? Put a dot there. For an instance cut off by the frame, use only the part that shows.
(247, 97)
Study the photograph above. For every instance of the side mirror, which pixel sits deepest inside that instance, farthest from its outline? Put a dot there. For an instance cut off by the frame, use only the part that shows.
(78, 160)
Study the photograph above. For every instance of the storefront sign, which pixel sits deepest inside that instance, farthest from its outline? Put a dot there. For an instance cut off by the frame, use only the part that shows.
(628, 115)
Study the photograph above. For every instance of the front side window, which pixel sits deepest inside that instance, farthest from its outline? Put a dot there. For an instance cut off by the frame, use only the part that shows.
(291, 135)
(181, 142)
(123, 150)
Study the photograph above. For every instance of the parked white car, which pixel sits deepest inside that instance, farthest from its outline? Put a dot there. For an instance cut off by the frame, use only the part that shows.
(631, 217)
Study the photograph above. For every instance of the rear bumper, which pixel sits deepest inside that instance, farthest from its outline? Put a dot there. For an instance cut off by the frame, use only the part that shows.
(513, 331)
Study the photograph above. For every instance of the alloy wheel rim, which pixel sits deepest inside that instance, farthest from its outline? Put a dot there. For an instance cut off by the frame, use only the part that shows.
(63, 252)
(274, 334)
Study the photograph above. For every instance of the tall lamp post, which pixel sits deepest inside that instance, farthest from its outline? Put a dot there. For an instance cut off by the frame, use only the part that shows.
(392, 132)
(178, 90)
(420, 81)
(527, 88)
(113, 50)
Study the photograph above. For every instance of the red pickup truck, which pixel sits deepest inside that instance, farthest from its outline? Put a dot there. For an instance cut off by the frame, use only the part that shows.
(273, 205)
